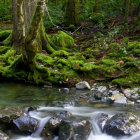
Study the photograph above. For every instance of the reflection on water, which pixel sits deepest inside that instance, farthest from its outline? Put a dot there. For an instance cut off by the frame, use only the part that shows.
(19, 94)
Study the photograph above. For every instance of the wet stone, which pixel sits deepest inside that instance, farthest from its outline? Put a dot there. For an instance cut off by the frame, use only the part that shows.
(122, 124)
(74, 130)
(82, 85)
(26, 124)
(52, 127)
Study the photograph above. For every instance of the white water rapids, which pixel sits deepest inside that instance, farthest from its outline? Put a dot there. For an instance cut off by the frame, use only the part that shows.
(42, 116)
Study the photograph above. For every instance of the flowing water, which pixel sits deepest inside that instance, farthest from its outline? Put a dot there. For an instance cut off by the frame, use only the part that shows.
(55, 100)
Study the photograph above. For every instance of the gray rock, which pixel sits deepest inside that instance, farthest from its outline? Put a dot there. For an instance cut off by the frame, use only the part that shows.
(121, 100)
(132, 93)
(122, 124)
(26, 124)
(74, 130)
(138, 101)
(82, 85)
(99, 92)
(3, 136)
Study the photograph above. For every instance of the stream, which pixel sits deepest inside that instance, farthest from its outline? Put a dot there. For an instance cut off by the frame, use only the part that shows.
(53, 100)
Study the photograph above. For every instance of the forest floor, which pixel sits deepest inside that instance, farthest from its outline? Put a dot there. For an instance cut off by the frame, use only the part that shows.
(109, 55)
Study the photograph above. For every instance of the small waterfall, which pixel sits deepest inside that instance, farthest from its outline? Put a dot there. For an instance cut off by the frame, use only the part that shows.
(42, 122)
(89, 112)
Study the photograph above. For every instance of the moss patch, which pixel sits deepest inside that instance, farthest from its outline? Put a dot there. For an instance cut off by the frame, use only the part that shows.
(63, 40)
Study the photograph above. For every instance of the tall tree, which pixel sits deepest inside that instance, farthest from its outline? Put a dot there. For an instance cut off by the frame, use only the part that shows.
(71, 13)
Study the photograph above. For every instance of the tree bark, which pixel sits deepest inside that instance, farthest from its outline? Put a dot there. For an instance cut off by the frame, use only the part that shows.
(31, 36)
(18, 26)
(71, 13)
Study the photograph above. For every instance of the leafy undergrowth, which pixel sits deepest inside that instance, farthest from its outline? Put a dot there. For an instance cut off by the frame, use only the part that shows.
(93, 60)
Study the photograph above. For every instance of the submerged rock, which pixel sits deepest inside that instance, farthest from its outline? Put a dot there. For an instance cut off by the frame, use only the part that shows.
(26, 124)
(122, 124)
(82, 85)
(74, 130)
(8, 114)
(65, 90)
(3, 136)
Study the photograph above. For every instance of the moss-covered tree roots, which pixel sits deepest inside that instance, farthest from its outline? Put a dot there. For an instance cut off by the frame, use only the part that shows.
(67, 65)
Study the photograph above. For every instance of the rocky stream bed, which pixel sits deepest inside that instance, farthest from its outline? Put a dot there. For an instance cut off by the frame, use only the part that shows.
(81, 113)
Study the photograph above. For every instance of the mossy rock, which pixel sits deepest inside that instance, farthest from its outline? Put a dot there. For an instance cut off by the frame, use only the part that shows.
(46, 60)
(60, 53)
(108, 62)
(63, 40)
(4, 34)
(131, 80)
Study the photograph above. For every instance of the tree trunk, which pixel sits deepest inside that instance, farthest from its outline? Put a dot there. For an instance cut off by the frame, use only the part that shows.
(18, 26)
(71, 12)
(127, 8)
(29, 37)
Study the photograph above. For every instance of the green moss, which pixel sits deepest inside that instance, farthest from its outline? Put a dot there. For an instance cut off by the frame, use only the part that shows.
(108, 62)
(114, 46)
(7, 41)
(129, 77)
(63, 62)
(63, 40)
(60, 53)
(4, 34)
(133, 45)
(46, 60)
(7, 56)
(4, 49)
(136, 52)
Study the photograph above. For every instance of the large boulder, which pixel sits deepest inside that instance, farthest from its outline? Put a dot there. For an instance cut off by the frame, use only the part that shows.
(3, 136)
(25, 124)
(74, 130)
(52, 126)
(62, 40)
(82, 85)
(122, 124)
